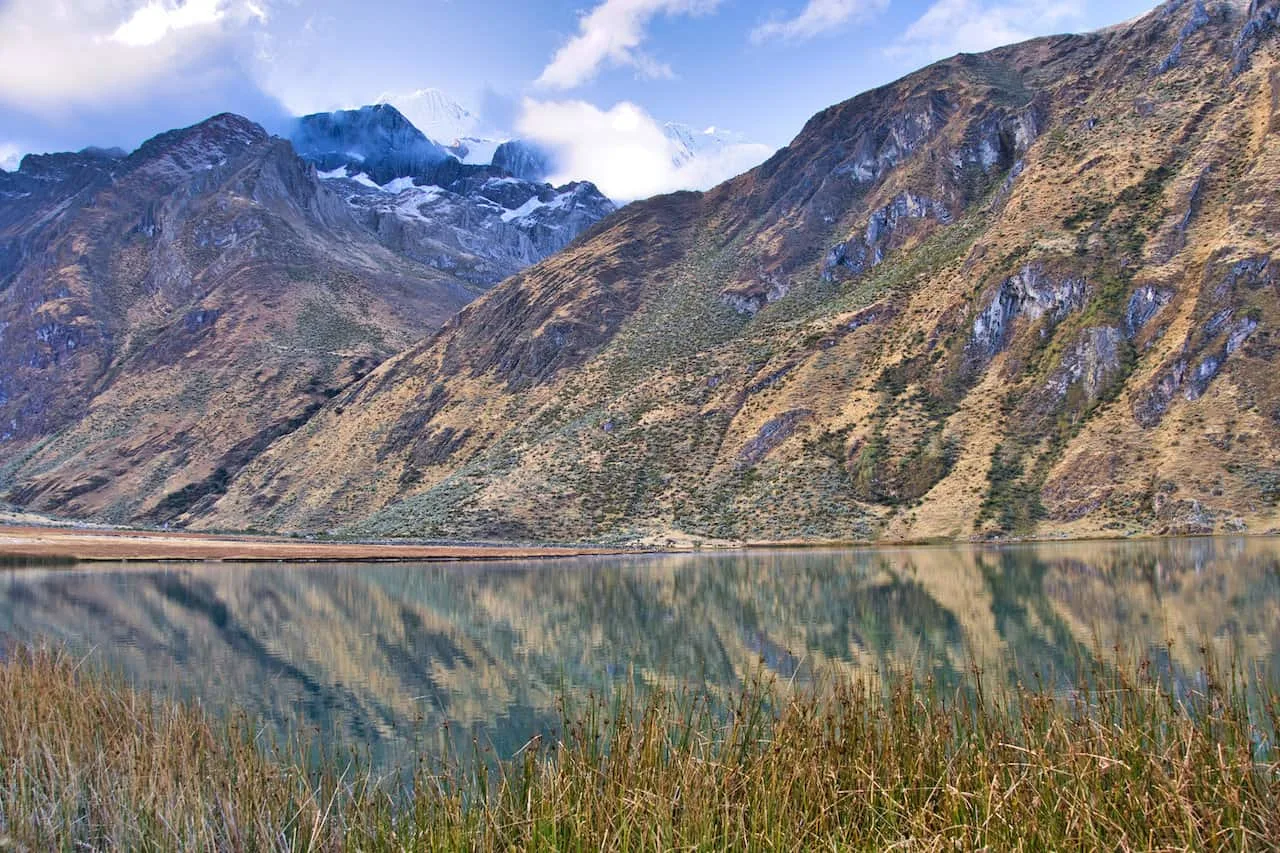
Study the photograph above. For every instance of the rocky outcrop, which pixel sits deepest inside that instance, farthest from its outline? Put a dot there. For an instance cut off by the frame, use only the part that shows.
(859, 254)
(1259, 25)
(771, 435)
(1031, 294)
(1197, 18)
(1191, 373)
(1145, 303)
(1209, 345)
(1090, 364)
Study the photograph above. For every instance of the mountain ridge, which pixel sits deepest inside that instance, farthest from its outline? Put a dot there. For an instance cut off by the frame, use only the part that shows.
(993, 298)
(166, 314)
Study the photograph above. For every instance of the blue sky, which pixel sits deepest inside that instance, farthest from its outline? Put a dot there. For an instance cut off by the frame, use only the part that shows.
(113, 72)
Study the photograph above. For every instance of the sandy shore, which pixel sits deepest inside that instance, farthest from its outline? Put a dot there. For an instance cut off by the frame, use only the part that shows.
(93, 545)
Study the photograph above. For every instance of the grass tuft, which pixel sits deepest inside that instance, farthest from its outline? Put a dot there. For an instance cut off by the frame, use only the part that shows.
(1134, 760)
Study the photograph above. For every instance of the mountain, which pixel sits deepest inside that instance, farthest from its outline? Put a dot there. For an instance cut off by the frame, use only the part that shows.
(523, 159)
(435, 114)
(482, 226)
(1032, 291)
(690, 144)
(480, 222)
(376, 141)
(165, 315)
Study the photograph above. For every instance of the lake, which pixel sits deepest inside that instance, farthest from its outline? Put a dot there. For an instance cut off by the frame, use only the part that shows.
(379, 656)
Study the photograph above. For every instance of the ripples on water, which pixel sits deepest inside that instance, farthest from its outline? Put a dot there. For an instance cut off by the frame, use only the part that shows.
(381, 654)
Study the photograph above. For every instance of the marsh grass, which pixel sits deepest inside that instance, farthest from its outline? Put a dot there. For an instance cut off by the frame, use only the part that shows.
(1131, 761)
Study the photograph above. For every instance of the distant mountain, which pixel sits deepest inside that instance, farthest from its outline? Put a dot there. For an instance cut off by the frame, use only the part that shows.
(479, 221)
(376, 141)
(435, 114)
(691, 144)
(523, 159)
(481, 226)
(1034, 291)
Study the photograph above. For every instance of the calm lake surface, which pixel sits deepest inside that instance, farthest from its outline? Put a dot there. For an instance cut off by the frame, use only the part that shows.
(381, 655)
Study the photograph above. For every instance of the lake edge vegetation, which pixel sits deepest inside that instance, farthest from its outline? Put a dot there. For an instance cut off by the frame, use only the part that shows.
(1125, 760)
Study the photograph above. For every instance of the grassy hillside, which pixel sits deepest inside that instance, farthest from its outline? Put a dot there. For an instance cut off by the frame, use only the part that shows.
(1026, 292)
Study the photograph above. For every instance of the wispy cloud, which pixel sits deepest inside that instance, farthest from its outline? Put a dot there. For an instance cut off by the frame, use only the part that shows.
(969, 26)
(817, 18)
(113, 72)
(625, 151)
(611, 34)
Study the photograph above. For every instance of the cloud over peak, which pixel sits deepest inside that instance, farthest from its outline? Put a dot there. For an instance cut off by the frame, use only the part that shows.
(611, 34)
(58, 55)
(626, 152)
(154, 21)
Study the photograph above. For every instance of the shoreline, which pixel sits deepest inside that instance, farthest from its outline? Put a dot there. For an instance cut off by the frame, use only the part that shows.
(65, 544)
(41, 544)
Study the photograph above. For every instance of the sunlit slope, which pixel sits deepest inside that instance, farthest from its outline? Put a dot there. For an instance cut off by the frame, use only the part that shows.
(1029, 291)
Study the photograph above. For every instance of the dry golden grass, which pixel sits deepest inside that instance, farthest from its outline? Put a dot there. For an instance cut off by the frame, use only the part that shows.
(1120, 764)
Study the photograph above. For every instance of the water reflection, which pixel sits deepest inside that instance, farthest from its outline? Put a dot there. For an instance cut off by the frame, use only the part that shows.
(380, 654)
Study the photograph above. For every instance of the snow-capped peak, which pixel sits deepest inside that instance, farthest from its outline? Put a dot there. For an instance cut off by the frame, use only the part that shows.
(691, 143)
(435, 114)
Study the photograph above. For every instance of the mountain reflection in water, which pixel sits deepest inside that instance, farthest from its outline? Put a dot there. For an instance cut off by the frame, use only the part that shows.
(379, 655)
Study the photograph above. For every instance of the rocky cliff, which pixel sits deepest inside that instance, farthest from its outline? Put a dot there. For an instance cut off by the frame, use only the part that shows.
(1032, 291)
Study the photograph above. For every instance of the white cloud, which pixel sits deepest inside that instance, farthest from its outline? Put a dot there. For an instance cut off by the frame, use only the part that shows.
(10, 156)
(817, 18)
(625, 151)
(154, 21)
(970, 26)
(59, 54)
(612, 33)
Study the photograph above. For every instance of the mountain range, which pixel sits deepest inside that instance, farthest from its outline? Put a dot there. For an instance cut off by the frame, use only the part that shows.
(166, 314)
(1026, 292)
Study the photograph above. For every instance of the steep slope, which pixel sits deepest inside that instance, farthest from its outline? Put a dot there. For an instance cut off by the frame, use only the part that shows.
(164, 316)
(1031, 291)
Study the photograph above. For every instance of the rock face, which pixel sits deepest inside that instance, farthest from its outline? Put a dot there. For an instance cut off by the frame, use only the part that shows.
(478, 227)
(1051, 307)
(376, 141)
(523, 159)
(166, 315)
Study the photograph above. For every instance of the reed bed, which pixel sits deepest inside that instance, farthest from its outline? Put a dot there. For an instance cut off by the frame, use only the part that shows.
(1126, 762)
